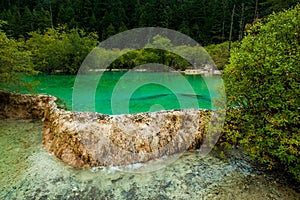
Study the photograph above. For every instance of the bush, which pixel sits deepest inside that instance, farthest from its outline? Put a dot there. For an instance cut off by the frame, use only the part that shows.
(263, 80)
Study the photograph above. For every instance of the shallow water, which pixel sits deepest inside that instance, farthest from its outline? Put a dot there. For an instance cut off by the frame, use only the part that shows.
(29, 172)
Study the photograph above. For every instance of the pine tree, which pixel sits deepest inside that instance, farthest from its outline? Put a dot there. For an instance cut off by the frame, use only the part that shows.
(110, 31)
(27, 21)
(122, 27)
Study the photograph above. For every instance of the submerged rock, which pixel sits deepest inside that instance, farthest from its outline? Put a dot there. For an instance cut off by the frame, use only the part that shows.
(33, 173)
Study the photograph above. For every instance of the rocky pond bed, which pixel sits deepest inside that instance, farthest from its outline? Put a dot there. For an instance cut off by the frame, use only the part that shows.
(28, 171)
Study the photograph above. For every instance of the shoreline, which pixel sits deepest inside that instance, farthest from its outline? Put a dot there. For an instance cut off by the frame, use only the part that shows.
(185, 72)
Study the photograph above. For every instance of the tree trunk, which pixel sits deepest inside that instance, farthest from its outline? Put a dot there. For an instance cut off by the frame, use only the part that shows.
(231, 27)
(256, 9)
(223, 24)
(51, 15)
(241, 32)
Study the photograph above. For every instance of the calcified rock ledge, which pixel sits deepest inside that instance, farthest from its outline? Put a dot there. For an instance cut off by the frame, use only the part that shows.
(85, 139)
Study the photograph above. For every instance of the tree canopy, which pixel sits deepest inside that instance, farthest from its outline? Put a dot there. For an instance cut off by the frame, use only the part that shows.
(14, 63)
(206, 21)
(60, 49)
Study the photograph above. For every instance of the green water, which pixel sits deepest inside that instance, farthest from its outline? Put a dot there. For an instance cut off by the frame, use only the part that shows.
(123, 92)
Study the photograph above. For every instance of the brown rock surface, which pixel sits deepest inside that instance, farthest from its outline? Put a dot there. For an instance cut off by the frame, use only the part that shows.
(91, 139)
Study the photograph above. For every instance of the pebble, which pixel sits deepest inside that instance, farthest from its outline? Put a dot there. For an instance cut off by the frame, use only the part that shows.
(189, 177)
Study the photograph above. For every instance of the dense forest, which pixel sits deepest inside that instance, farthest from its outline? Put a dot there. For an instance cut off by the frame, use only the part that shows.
(206, 21)
(55, 35)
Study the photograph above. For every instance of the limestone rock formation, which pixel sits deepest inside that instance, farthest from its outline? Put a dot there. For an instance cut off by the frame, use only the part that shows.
(85, 139)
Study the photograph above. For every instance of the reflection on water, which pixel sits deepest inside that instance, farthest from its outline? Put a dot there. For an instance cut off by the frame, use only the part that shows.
(29, 172)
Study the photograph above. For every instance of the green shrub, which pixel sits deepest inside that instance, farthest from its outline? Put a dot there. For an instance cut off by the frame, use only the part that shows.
(263, 80)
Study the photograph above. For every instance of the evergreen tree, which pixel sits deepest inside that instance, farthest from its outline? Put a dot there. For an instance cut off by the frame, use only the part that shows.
(207, 21)
(122, 27)
(110, 31)
(27, 21)
(93, 25)
(15, 22)
(42, 18)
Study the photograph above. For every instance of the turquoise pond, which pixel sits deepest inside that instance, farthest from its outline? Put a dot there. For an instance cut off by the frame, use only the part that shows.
(130, 92)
